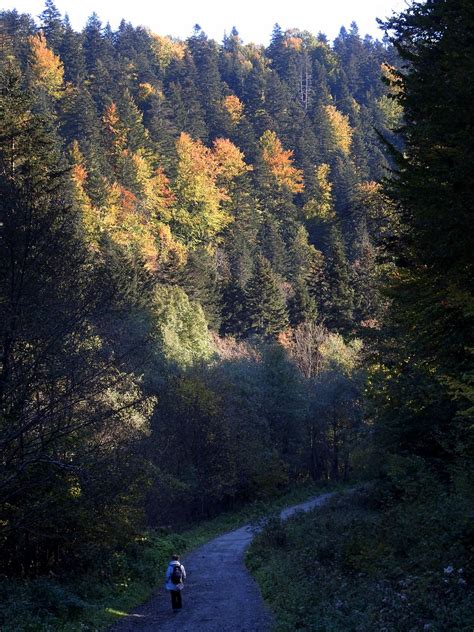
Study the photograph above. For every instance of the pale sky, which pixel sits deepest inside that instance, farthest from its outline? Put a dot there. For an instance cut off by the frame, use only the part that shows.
(253, 19)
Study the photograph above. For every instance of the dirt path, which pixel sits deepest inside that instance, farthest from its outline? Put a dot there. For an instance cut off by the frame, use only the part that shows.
(220, 595)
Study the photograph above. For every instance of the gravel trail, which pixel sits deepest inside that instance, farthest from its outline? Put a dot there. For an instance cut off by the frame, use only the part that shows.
(220, 595)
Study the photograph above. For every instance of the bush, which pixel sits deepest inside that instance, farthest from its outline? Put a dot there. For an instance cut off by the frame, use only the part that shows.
(347, 566)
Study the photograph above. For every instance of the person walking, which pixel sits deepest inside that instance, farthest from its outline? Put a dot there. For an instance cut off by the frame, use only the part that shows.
(175, 576)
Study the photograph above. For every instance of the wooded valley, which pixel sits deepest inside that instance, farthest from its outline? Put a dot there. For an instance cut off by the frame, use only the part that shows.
(228, 270)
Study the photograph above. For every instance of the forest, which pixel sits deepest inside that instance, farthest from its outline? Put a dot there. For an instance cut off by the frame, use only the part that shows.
(229, 270)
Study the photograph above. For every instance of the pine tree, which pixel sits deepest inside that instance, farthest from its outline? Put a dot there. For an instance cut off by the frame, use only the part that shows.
(302, 306)
(132, 122)
(52, 25)
(182, 93)
(316, 279)
(273, 246)
(233, 309)
(265, 306)
(205, 56)
(339, 300)
(200, 282)
(431, 315)
(71, 53)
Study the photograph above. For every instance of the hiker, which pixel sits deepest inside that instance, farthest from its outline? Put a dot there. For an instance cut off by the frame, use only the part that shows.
(175, 576)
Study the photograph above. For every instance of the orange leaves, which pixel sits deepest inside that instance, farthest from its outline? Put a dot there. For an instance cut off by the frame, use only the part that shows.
(195, 159)
(205, 165)
(146, 91)
(128, 227)
(280, 163)
(293, 43)
(392, 78)
(201, 172)
(234, 107)
(161, 197)
(47, 68)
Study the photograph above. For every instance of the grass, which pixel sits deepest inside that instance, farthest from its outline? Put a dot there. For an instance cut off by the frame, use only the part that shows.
(92, 603)
(350, 566)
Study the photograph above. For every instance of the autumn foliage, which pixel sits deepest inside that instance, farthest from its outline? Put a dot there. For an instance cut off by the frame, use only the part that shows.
(280, 163)
(47, 68)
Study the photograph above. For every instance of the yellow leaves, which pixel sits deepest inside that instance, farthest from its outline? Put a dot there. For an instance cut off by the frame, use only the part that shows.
(114, 130)
(234, 107)
(79, 178)
(75, 490)
(230, 159)
(127, 226)
(391, 110)
(202, 171)
(159, 196)
(46, 67)
(130, 222)
(195, 158)
(370, 188)
(339, 129)
(172, 252)
(392, 78)
(280, 163)
(146, 91)
(197, 174)
(167, 49)
(199, 215)
(389, 105)
(320, 205)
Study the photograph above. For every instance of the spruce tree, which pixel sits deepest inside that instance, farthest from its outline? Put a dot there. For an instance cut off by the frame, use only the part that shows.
(265, 304)
(72, 53)
(272, 245)
(339, 300)
(233, 320)
(302, 305)
(52, 25)
(432, 316)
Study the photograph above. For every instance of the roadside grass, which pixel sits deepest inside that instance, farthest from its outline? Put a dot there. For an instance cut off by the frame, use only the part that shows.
(349, 566)
(72, 603)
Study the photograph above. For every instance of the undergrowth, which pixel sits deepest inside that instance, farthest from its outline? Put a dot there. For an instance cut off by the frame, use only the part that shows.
(93, 601)
(354, 566)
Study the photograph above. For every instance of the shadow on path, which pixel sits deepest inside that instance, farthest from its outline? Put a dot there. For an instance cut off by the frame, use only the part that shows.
(220, 594)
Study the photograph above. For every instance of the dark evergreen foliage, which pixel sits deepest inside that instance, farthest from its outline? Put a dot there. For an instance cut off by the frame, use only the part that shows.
(265, 306)
(204, 236)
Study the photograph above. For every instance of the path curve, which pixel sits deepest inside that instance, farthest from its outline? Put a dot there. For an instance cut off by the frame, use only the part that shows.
(220, 594)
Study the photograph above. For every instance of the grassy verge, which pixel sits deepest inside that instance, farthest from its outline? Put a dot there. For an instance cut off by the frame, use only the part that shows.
(92, 603)
(349, 566)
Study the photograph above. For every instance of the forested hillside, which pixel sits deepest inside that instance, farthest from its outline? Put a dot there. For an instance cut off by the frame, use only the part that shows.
(398, 555)
(194, 239)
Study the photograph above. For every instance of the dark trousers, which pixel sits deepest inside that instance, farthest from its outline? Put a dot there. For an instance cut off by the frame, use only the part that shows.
(176, 601)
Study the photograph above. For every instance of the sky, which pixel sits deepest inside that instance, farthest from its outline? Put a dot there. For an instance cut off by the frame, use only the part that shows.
(253, 19)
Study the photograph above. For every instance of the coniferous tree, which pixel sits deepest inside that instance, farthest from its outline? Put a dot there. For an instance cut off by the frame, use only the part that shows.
(265, 305)
(199, 280)
(339, 300)
(52, 25)
(302, 306)
(432, 289)
(233, 309)
(272, 245)
(72, 53)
